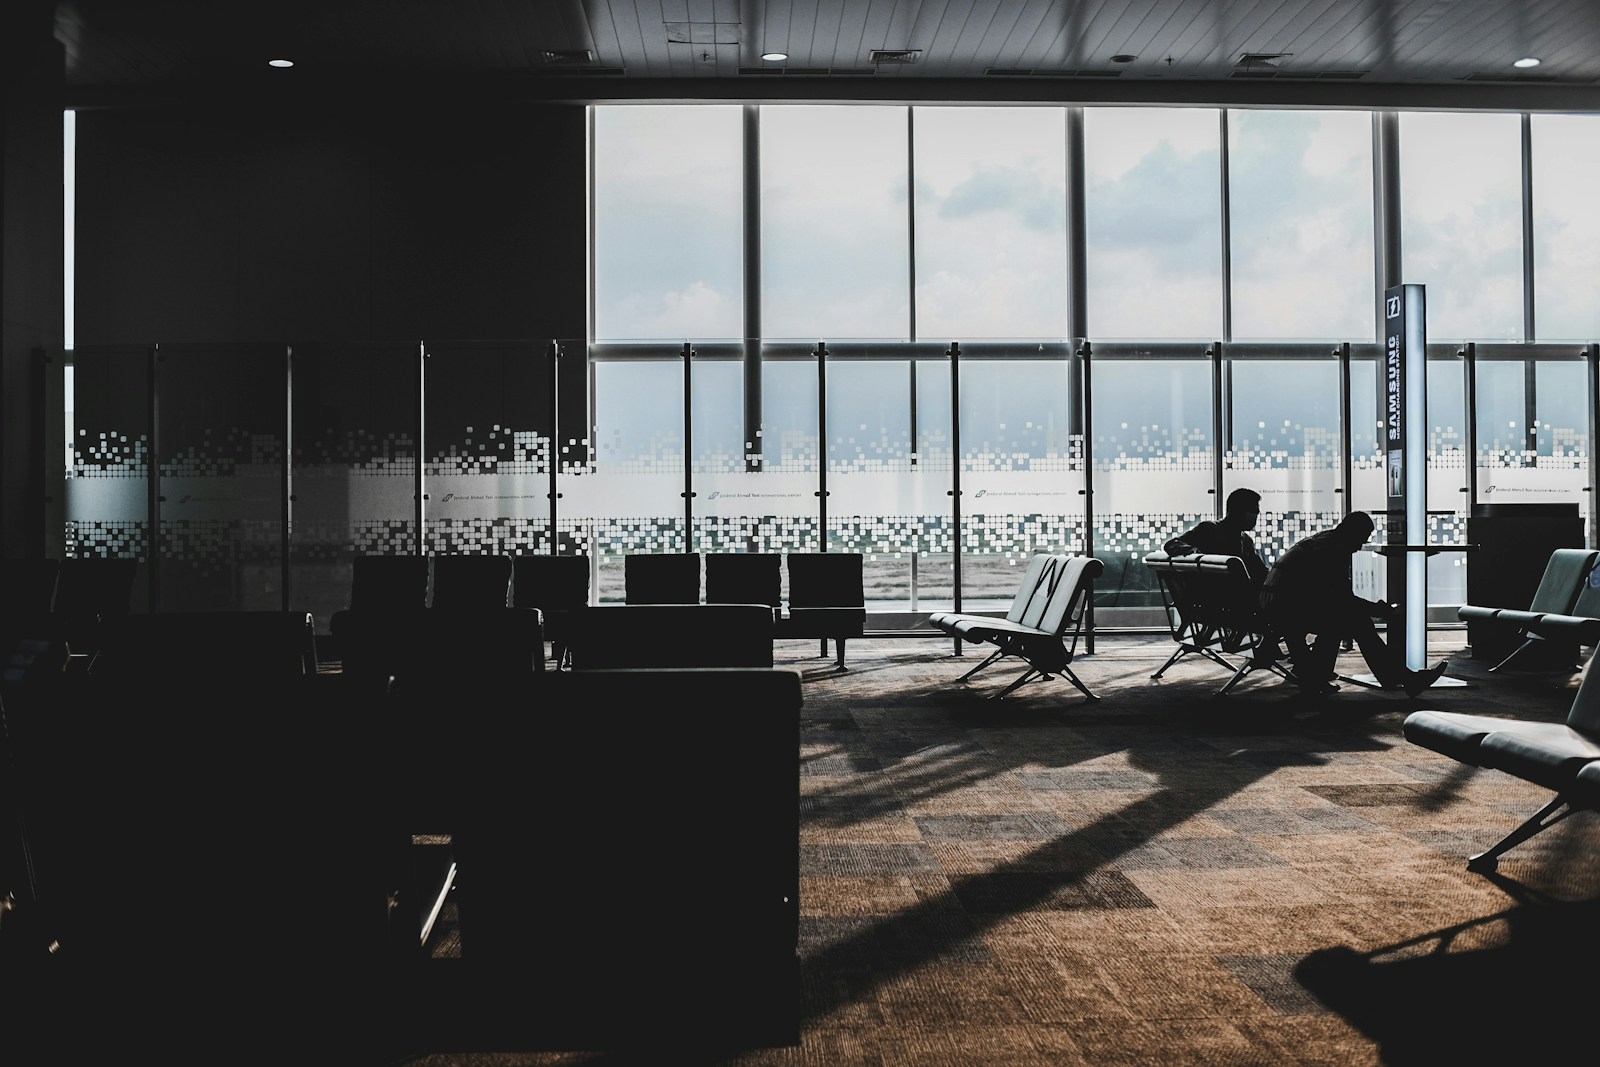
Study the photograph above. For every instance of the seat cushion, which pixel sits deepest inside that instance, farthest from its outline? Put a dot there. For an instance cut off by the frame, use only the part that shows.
(1584, 792)
(1452, 733)
(1546, 753)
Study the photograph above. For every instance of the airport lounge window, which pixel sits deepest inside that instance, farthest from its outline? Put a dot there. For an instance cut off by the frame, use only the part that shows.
(1300, 221)
(1153, 222)
(668, 222)
(1566, 227)
(1461, 221)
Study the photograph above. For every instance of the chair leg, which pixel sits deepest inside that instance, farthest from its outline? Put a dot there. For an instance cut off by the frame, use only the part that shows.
(1073, 678)
(839, 664)
(1515, 653)
(988, 660)
(1027, 676)
(1543, 819)
(1170, 661)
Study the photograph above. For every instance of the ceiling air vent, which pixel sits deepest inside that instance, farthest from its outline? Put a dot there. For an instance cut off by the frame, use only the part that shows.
(1048, 72)
(1339, 75)
(810, 72)
(1509, 78)
(895, 55)
(568, 57)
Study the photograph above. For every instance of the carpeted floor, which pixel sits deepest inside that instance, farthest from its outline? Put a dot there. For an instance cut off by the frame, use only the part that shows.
(1162, 877)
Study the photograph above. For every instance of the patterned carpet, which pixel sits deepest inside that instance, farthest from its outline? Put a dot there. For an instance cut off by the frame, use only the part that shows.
(1162, 877)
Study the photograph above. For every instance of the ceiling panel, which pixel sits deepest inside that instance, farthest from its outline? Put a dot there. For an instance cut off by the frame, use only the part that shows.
(132, 45)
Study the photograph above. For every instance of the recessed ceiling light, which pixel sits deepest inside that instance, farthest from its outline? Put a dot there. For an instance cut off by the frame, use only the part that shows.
(1526, 62)
(280, 62)
(1123, 58)
(774, 57)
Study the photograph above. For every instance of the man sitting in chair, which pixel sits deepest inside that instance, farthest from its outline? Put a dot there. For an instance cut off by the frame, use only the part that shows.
(1230, 537)
(1309, 591)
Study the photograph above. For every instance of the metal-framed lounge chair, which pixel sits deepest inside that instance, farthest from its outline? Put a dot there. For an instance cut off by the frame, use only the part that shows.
(1042, 626)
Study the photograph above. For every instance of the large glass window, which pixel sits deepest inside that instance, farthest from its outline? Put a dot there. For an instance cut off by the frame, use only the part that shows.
(1153, 221)
(1300, 219)
(835, 242)
(1461, 221)
(668, 222)
(991, 196)
(1566, 227)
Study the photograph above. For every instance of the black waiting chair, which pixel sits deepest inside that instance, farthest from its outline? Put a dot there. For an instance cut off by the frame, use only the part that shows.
(558, 586)
(467, 582)
(661, 578)
(90, 592)
(377, 630)
(827, 598)
(745, 578)
(1566, 575)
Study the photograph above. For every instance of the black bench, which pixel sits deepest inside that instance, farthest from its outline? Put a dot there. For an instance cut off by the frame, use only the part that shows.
(1212, 610)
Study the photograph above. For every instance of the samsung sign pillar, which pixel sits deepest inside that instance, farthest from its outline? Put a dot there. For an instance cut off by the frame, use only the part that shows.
(1405, 426)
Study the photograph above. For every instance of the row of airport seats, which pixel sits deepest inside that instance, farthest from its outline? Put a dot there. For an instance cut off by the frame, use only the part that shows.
(203, 836)
(826, 590)
(402, 607)
(1561, 619)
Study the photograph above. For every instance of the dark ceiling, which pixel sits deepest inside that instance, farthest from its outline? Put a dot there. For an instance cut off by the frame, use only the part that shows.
(1453, 52)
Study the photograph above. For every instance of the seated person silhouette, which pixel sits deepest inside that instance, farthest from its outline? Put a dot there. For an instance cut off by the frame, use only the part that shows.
(1308, 591)
(1229, 537)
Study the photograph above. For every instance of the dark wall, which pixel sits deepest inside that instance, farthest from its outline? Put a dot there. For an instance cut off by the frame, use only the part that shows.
(30, 239)
(370, 222)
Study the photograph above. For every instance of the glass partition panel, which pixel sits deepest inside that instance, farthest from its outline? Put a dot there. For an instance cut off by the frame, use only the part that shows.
(356, 428)
(835, 240)
(222, 462)
(1153, 222)
(791, 399)
(107, 507)
(1448, 500)
(1022, 475)
(991, 237)
(883, 500)
(631, 498)
(1282, 415)
(1566, 227)
(1369, 487)
(488, 430)
(1153, 455)
(733, 496)
(1532, 436)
